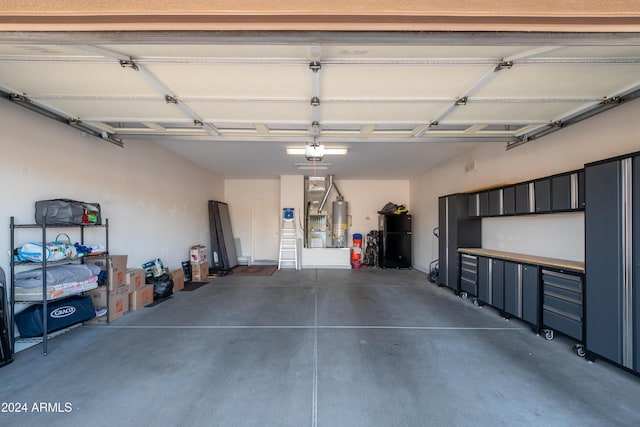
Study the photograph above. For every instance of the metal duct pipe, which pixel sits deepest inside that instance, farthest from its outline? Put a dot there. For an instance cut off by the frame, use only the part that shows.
(326, 195)
(337, 191)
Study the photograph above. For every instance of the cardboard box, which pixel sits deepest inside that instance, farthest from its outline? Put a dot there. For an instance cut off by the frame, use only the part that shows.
(178, 279)
(118, 301)
(141, 298)
(198, 254)
(199, 272)
(117, 269)
(135, 279)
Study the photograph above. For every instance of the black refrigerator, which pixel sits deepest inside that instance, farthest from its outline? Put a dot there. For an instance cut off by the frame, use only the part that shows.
(394, 247)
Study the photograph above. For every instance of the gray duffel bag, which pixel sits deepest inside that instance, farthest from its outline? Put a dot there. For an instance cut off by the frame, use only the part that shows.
(66, 211)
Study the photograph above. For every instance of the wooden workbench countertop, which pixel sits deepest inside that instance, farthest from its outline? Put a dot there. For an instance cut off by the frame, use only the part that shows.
(527, 259)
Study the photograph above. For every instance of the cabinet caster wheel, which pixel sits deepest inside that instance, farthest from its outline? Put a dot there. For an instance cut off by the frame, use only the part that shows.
(476, 302)
(464, 295)
(548, 334)
(580, 351)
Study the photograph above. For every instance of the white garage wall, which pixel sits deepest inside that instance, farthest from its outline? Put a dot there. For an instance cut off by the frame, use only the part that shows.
(156, 202)
(241, 194)
(609, 134)
(365, 198)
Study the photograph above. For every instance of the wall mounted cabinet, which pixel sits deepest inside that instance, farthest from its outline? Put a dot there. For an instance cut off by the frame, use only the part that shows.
(495, 202)
(509, 200)
(567, 192)
(483, 204)
(525, 203)
(473, 208)
(558, 193)
(562, 189)
(542, 195)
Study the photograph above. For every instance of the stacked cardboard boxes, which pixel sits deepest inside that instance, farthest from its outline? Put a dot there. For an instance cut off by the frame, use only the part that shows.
(140, 294)
(135, 279)
(117, 305)
(141, 297)
(199, 263)
(198, 254)
(118, 302)
(116, 270)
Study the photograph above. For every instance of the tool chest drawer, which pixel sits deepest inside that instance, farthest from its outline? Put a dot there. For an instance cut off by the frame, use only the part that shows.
(469, 274)
(563, 302)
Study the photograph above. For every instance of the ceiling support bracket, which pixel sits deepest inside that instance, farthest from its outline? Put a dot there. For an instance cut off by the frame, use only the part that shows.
(124, 63)
(504, 65)
(462, 101)
(315, 66)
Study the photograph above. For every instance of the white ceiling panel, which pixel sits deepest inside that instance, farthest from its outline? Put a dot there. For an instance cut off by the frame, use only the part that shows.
(249, 81)
(558, 81)
(594, 52)
(28, 50)
(419, 52)
(521, 113)
(389, 101)
(380, 112)
(72, 79)
(388, 81)
(252, 112)
(180, 51)
(113, 110)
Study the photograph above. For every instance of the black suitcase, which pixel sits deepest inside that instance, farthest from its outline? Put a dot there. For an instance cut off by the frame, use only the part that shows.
(61, 314)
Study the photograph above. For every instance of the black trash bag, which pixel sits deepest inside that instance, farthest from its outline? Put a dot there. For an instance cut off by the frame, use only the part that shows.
(389, 208)
(162, 286)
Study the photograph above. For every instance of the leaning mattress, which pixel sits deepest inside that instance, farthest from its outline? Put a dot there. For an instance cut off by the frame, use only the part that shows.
(56, 291)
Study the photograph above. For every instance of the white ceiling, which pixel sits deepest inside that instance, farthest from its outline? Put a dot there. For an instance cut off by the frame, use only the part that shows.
(399, 106)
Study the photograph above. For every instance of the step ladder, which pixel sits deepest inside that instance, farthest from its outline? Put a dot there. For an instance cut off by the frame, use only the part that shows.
(288, 245)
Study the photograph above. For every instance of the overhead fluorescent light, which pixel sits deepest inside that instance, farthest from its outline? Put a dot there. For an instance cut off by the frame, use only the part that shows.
(325, 150)
(308, 166)
(295, 150)
(322, 166)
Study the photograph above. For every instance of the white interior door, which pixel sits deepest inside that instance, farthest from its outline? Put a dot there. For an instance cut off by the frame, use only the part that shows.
(266, 230)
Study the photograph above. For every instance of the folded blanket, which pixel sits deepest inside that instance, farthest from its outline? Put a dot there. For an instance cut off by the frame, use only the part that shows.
(56, 274)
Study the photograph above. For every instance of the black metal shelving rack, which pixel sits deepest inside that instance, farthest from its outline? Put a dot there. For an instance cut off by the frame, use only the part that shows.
(45, 300)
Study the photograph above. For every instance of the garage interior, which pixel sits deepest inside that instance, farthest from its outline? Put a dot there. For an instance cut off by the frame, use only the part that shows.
(153, 116)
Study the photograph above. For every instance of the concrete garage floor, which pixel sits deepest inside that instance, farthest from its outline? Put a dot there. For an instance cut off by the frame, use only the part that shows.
(316, 348)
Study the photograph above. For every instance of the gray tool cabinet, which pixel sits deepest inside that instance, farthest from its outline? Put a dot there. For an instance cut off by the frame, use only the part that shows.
(612, 257)
(546, 293)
